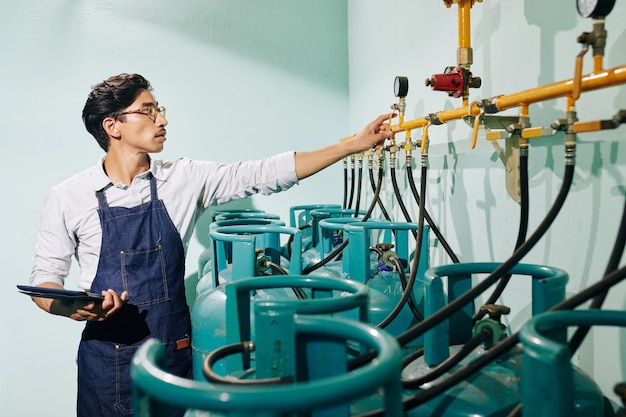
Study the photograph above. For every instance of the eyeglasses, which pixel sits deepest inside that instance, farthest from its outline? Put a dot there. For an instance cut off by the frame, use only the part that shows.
(150, 111)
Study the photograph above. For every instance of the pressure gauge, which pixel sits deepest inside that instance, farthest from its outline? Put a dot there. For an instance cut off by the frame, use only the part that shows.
(594, 8)
(401, 86)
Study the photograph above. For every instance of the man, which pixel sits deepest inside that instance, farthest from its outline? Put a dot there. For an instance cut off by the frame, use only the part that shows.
(128, 221)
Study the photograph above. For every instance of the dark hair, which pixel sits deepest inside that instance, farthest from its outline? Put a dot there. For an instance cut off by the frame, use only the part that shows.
(108, 98)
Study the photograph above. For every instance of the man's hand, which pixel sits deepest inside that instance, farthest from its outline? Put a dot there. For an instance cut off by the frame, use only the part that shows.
(81, 311)
(372, 136)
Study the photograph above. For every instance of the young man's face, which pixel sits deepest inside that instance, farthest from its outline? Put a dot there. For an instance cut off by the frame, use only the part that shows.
(143, 128)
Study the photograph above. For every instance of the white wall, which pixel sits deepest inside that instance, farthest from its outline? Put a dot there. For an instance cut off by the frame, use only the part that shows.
(517, 46)
(240, 79)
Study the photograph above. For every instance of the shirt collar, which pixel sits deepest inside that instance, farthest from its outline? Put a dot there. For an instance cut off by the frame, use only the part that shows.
(102, 181)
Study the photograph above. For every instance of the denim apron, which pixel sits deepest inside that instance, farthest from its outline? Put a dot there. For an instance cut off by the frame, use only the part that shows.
(141, 253)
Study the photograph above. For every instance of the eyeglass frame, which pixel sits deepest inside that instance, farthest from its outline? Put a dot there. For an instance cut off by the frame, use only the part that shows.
(152, 114)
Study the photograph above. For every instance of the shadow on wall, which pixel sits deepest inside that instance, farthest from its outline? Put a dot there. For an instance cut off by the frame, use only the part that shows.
(617, 56)
(282, 33)
(541, 14)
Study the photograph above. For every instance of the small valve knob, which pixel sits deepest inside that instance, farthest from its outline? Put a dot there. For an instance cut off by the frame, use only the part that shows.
(475, 82)
(492, 324)
(384, 247)
(495, 311)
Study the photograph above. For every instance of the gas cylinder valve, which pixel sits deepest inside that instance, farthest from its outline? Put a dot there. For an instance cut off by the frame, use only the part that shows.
(261, 265)
(385, 256)
(456, 81)
(492, 323)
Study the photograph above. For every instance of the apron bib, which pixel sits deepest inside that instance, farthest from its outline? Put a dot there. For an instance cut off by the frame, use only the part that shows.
(141, 253)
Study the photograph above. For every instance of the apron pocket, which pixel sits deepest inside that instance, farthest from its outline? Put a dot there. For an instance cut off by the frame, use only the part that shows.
(144, 276)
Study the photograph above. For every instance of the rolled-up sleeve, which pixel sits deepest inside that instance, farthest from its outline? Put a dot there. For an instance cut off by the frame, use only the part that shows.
(55, 245)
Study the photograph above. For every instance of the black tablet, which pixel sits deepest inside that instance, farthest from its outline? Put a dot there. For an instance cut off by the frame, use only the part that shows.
(58, 294)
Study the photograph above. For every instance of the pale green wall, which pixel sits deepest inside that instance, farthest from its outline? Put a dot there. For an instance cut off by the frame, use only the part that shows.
(518, 45)
(241, 80)
(244, 79)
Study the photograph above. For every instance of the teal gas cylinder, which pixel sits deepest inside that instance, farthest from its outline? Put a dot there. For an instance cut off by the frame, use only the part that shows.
(234, 217)
(156, 392)
(279, 354)
(495, 389)
(370, 267)
(205, 256)
(207, 314)
(205, 266)
(330, 236)
(312, 255)
(328, 296)
(546, 358)
(300, 217)
(266, 238)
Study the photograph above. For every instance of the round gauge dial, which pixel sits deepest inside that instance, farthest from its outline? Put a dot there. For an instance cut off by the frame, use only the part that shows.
(401, 86)
(594, 8)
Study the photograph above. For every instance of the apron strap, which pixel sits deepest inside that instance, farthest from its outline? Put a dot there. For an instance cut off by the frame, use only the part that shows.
(102, 201)
(153, 188)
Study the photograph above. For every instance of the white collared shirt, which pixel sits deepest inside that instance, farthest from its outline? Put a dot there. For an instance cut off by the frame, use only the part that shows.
(70, 225)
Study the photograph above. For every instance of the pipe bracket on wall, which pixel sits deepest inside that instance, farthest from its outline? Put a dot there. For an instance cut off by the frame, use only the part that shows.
(504, 127)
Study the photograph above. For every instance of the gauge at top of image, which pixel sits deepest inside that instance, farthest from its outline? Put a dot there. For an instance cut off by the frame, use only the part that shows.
(594, 8)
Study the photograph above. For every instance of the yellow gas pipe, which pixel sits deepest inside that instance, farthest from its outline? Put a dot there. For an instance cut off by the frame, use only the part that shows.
(571, 88)
(464, 23)
(464, 53)
(595, 81)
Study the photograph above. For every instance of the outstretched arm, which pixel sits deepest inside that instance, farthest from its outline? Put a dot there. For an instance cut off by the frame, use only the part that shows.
(372, 136)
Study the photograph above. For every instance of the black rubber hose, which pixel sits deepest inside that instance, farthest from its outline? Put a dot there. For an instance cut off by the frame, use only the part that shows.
(467, 297)
(290, 240)
(450, 362)
(431, 222)
(603, 285)
(345, 186)
(297, 291)
(411, 357)
(398, 194)
(614, 260)
(223, 352)
(504, 346)
(351, 186)
(403, 281)
(580, 334)
(407, 293)
(358, 191)
(406, 298)
(337, 251)
(521, 233)
(377, 196)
